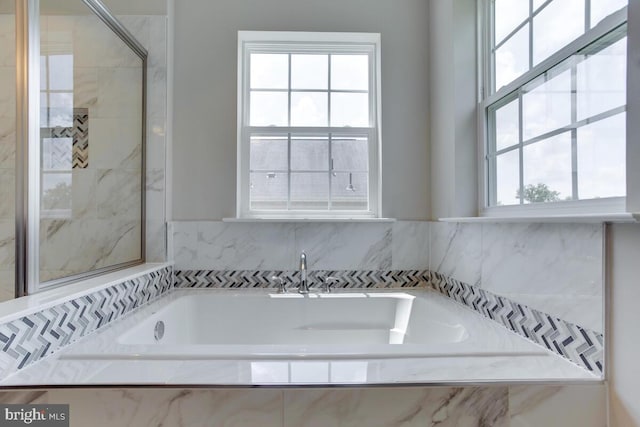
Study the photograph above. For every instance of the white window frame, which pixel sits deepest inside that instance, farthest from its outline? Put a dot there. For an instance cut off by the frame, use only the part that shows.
(488, 98)
(306, 42)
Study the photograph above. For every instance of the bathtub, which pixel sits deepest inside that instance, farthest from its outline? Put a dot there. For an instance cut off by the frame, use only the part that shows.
(190, 324)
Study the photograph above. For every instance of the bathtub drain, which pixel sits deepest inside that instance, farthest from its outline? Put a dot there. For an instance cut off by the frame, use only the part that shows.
(158, 331)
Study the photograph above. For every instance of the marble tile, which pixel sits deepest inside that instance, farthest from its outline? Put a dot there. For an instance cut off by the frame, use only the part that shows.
(119, 243)
(156, 241)
(7, 285)
(244, 246)
(7, 245)
(85, 87)
(184, 247)
(155, 195)
(166, 407)
(548, 259)
(156, 142)
(7, 142)
(118, 194)
(138, 26)
(7, 40)
(157, 41)
(89, 34)
(7, 194)
(22, 397)
(7, 91)
(83, 194)
(119, 93)
(157, 92)
(344, 246)
(571, 405)
(410, 245)
(114, 52)
(446, 407)
(115, 143)
(456, 251)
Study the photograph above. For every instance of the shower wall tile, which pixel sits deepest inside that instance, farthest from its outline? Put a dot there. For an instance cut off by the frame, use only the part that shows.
(7, 194)
(119, 90)
(7, 245)
(445, 407)
(8, 40)
(118, 194)
(410, 245)
(83, 193)
(575, 405)
(157, 94)
(157, 41)
(156, 241)
(456, 251)
(344, 246)
(245, 246)
(7, 91)
(127, 153)
(184, 244)
(7, 141)
(556, 268)
(155, 191)
(85, 87)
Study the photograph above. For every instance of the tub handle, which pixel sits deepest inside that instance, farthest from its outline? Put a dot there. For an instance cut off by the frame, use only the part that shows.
(329, 282)
(282, 287)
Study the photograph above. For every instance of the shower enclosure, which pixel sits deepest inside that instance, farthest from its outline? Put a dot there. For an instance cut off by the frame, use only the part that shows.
(72, 146)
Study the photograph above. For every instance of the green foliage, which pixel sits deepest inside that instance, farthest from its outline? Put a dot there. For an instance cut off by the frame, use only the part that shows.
(58, 197)
(539, 193)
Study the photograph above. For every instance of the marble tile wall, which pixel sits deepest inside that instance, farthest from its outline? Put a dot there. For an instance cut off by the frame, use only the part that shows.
(216, 245)
(554, 268)
(495, 406)
(7, 154)
(104, 226)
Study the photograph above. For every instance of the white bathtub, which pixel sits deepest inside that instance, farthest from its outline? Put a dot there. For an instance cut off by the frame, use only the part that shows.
(247, 325)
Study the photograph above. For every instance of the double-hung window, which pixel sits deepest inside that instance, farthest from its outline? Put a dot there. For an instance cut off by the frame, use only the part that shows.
(308, 124)
(554, 106)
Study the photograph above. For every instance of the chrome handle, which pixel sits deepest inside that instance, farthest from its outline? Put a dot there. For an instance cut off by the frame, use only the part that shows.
(282, 287)
(329, 282)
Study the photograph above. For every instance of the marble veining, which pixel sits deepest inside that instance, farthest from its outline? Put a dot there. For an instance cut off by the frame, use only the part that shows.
(456, 251)
(410, 245)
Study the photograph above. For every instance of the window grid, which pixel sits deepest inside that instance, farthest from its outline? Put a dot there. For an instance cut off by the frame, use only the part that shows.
(366, 134)
(492, 155)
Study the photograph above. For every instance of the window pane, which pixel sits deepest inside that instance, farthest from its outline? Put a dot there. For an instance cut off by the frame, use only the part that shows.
(349, 191)
(350, 154)
(547, 170)
(350, 109)
(309, 71)
(269, 190)
(512, 58)
(56, 191)
(547, 106)
(601, 158)
(309, 109)
(61, 72)
(507, 125)
(268, 109)
(311, 154)
(601, 80)
(507, 178)
(57, 153)
(309, 191)
(350, 72)
(269, 153)
(269, 71)
(508, 15)
(600, 9)
(558, 24)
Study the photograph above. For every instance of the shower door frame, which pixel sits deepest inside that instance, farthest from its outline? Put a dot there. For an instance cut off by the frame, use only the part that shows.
(27, 202)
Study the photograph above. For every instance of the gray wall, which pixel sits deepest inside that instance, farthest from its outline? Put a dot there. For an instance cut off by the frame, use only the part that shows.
(204, 132)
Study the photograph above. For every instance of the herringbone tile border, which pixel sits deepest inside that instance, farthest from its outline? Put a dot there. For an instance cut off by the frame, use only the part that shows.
(26, 340)
(575, 343)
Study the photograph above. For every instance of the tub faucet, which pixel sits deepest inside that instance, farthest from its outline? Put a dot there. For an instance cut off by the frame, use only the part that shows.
(303, 286)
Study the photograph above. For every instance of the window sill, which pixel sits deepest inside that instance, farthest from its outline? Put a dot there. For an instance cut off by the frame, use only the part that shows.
(310, 220)
(572, 218)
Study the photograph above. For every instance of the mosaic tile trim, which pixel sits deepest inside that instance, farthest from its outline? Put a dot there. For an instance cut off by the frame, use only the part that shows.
(78, 158)
(581, 346)
(262, 279)
(29, 339)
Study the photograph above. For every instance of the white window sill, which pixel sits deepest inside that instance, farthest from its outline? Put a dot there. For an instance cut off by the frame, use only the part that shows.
(569, 218)
(310, 220)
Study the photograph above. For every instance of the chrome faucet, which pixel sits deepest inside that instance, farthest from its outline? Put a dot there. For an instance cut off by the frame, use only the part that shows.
(303, 286)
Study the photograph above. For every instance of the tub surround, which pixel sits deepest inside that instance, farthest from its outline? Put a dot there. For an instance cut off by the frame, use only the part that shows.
(40, 333)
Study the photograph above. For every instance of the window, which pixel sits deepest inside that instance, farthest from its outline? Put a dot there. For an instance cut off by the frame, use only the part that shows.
(555, 112)
(308, 124)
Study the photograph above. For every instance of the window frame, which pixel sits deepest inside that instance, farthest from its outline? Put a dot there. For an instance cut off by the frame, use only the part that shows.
(307, 42)
(489, 98)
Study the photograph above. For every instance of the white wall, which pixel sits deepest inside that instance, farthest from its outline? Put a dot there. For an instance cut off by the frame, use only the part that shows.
(204, 132)
(453, 89)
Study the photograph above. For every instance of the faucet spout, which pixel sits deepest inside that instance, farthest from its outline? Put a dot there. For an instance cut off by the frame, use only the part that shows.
(303, 286)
